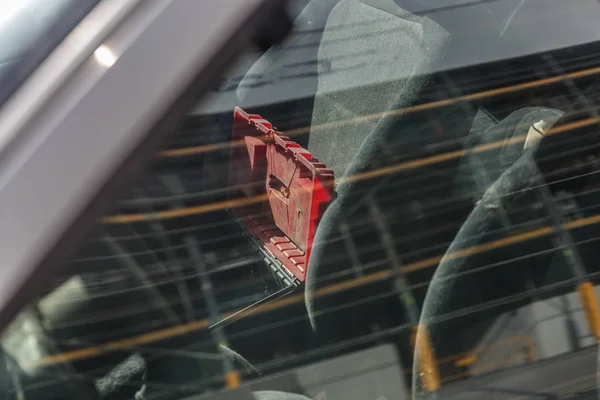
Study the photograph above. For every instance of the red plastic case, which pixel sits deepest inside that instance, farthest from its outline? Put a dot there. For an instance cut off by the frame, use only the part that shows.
(284, 189)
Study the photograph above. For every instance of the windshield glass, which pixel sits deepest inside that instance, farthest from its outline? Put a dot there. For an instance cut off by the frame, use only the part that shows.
(399, 201)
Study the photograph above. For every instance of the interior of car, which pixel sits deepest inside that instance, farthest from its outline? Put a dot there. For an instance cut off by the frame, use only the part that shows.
(454, 135)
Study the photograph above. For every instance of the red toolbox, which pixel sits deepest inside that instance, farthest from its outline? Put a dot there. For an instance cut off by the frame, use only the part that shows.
(278, 190)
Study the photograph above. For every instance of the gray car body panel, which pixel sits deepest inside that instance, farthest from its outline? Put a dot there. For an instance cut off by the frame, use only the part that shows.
(70, 144)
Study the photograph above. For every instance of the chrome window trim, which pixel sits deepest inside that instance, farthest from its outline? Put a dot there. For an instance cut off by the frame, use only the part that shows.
(56, 69)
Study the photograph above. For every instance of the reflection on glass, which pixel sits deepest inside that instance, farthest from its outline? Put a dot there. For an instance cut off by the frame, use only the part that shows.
(458, 252)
